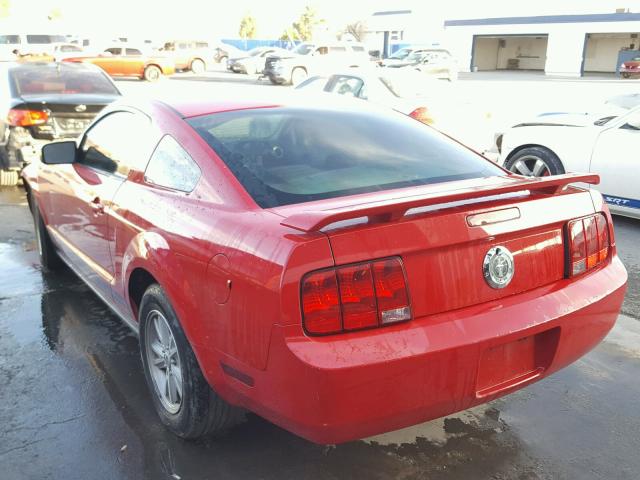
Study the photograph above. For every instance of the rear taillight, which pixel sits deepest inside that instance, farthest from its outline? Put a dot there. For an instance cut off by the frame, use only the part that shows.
(26, 118)
(355, 297)
(588, 243)
(422, 115)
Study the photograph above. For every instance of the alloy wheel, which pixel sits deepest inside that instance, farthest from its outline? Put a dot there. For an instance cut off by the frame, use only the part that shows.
(163, 361)
(531, 166)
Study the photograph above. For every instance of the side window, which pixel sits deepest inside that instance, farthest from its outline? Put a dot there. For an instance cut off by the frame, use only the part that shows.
(133, 52)
(347, 86)
(172, 167)
(338, 49)
(107, 145)
(321, 51)
(114, 51)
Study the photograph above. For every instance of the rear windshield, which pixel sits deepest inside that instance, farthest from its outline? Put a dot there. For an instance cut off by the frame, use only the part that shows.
(36, 80)
(290, 155)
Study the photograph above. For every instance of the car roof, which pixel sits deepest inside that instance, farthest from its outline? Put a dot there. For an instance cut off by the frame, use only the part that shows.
(43, 66)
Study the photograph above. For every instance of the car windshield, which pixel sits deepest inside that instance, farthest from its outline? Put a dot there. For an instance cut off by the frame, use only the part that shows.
(400, 54)
(287, 155)
(626, 102)
(9, 39)
(36, 80)
(421, 55)
(303, 49)
(45, 38)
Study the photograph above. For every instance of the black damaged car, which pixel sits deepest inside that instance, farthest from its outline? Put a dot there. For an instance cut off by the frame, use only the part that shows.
(43, 102)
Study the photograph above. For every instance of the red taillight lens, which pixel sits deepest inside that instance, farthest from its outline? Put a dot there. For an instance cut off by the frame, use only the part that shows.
(422, 115)
(354, 297)
(321, 303)
(26, 118)
(588, 243)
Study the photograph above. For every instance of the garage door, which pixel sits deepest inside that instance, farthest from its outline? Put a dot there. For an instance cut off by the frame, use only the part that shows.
(602, 49)
(522, 52)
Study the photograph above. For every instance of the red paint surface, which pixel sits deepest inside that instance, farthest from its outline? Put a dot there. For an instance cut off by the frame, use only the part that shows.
(466, 344)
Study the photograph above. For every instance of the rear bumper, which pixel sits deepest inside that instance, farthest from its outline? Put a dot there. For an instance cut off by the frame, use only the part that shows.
(341, 388)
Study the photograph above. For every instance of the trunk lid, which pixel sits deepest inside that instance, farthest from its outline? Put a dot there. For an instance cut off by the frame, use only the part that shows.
(443, 235)
(69, 114)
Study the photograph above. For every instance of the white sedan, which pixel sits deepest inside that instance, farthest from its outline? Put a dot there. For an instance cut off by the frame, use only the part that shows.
(606, 143)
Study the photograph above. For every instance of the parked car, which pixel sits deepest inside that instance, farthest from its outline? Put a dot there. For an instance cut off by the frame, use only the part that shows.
(314, 59)
(65, 50)
(130, 61)
(45, 102)
(194, 55)
(428, 100)
(400, 55)
(600, 142)
(340, 271)
(253, 61)
(630, 68)
(224, 51)
(36, 44)
(434, 62)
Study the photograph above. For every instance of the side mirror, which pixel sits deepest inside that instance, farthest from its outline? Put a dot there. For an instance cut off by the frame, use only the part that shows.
(59, 153)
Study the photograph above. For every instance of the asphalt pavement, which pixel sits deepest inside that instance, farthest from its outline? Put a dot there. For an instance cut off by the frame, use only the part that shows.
(75, 404)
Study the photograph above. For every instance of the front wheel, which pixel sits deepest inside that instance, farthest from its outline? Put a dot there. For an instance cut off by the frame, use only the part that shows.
(152, 73)
(535, 162)
(49, 257)
(181, 396)
(198, 66)
(625, 75)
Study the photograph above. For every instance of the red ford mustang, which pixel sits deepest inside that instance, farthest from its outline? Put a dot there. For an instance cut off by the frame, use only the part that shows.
(341, 271)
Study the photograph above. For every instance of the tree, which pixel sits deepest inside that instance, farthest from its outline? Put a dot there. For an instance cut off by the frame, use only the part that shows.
(303, 28)
(5, 8)
(248, 27)
(357, 30)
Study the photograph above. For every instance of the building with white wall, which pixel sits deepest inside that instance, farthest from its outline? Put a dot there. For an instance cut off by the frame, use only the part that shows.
(568, 45)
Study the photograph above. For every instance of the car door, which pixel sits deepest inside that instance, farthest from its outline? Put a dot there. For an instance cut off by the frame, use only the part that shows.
(616, 159)
(83, 222)
(133, 62)
(109, 61)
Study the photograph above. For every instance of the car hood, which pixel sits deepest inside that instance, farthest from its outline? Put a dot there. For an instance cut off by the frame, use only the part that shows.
(573, 119)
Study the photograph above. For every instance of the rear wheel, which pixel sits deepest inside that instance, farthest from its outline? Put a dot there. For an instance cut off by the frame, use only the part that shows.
(49, 257)
(298, 75)
(625, 75)
(152, 73)
(198, 66)
(181, 396)
(535, 162)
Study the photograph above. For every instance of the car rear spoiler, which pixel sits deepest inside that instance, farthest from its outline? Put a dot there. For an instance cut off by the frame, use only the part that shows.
(394, 208)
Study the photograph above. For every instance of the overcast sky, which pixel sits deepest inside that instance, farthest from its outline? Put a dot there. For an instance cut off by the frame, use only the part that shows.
(217, 19)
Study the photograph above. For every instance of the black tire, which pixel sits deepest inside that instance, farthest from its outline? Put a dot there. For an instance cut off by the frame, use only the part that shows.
(535, 162)
(223, 59)
(625, 75)
(49, 257)
(152, 73)
(198, 66)
(201, 412)
(298, 75)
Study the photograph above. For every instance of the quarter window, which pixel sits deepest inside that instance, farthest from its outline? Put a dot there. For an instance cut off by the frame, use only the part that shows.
(349, 86)
(172, 167)
(134, 52)
(107, 145)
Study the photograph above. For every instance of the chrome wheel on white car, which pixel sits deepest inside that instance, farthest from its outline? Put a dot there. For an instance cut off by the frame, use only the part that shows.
(534, 162)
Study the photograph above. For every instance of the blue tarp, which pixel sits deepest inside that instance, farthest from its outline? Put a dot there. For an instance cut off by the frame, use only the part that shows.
(250, 44)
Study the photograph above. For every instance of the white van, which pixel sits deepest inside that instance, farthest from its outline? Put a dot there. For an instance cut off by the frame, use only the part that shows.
(27, 44)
